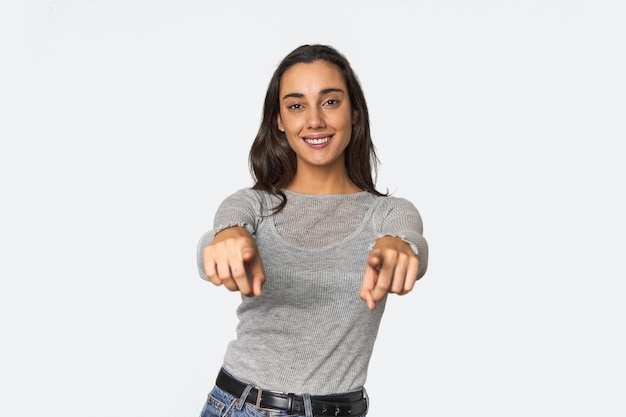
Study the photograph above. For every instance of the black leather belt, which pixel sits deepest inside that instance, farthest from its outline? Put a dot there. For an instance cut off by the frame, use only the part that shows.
(349, 404)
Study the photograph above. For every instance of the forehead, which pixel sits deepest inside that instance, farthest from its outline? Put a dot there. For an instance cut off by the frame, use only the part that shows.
(311, 77)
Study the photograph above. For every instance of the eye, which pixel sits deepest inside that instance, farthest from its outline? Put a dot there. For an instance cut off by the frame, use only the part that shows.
(294, 106)
(331, 102)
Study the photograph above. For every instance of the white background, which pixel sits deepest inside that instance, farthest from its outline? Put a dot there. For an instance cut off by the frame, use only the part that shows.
(125, 123)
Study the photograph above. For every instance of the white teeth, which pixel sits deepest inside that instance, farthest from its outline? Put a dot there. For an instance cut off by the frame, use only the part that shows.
(317, 141)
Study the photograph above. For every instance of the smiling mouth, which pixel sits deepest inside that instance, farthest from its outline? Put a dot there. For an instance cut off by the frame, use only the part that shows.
(317, 141)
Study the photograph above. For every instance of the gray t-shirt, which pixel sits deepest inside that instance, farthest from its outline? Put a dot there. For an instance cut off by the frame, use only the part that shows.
(310, 332)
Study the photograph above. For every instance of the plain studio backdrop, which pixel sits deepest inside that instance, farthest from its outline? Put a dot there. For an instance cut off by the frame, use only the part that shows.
(125, 123)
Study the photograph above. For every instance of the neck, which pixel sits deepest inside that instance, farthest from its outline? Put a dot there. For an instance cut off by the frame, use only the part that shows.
(322, 182)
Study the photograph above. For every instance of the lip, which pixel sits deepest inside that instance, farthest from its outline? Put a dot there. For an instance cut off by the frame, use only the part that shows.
(318, 141)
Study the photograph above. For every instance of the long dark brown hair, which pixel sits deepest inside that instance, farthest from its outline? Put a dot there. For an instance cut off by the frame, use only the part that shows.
(273, 163)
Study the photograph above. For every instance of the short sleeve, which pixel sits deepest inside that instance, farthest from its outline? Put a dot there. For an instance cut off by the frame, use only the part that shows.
(243, 209)
(398, 217)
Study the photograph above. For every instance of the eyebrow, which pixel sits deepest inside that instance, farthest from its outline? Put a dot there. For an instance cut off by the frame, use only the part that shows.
(322, 92)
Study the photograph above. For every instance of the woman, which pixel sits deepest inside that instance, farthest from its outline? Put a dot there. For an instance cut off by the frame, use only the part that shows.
(313, 248)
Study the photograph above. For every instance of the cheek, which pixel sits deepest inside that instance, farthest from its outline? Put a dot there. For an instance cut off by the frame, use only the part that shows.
(290, 124)
(292, 139)
(349, 127)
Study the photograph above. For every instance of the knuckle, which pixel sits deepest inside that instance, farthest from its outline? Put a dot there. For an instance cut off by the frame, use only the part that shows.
(237, 271)
(384, 285)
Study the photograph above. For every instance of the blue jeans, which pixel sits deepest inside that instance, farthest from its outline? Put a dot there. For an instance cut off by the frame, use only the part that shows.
(222, 404)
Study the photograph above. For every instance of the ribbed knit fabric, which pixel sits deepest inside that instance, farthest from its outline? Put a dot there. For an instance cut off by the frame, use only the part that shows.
(310, 332)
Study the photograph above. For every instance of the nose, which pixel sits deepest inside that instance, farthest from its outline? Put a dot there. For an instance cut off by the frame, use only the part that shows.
(315, 119)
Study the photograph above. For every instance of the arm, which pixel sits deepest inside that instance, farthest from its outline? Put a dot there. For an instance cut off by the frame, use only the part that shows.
(399, 257)
(227, 254)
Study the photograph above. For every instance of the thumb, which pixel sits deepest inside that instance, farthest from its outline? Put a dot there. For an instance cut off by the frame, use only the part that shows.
(375, 260)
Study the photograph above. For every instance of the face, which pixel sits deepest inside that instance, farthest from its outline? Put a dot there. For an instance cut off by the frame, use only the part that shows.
(315, 114)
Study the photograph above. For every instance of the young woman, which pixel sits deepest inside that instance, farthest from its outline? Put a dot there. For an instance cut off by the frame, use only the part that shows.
(313, 248)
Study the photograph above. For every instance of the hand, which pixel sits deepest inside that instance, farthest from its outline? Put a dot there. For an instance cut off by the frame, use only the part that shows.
(392, 267)
(229, 257)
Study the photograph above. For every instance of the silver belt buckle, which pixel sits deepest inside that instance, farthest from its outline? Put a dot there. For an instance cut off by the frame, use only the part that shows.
(259, 396)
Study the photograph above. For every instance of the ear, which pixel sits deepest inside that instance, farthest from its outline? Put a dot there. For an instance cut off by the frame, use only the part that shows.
(355, 117)
(279, 120)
